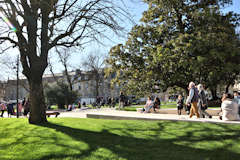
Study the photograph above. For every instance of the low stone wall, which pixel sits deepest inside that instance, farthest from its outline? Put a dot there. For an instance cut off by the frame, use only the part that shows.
(213, 112)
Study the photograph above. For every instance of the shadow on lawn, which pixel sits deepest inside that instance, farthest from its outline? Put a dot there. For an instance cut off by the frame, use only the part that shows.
(148, 149)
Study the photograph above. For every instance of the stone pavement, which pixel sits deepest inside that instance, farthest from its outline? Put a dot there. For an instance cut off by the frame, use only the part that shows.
(107, 113)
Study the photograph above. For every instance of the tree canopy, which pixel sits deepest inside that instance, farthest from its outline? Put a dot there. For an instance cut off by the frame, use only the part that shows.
(177, 42)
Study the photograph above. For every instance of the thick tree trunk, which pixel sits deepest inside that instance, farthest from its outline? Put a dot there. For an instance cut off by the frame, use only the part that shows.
(37, 103)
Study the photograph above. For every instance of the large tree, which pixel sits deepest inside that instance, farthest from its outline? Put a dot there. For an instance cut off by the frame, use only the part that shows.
(179, 41)
(41, 25)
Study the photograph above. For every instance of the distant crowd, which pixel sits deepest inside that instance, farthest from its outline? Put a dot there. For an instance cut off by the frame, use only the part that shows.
(196, 104)
(10, 107)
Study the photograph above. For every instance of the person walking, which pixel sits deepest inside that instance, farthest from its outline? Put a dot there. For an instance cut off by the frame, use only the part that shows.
(10, 109)
(109, 101)
(193, 99)
(26, 107)
(20, 107)
(23, 101)
(3, 108)
(202, 102)
(121, 100)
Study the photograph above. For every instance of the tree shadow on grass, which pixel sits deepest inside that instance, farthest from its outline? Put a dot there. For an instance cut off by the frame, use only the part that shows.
(146, 149)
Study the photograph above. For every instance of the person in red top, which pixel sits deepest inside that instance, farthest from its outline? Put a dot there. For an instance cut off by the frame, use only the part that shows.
(3, 108)
(20, 107)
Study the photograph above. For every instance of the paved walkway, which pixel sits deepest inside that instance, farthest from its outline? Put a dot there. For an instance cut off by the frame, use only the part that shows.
(107, 113)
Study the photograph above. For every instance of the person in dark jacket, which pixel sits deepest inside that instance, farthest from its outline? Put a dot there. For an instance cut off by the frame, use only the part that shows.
(113, 102)
(156, 104)
(202, 102)
(26, 107)
(180, 104)
(10, 109)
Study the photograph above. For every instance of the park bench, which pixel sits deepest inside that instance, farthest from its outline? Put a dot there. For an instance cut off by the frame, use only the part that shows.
(49, 113)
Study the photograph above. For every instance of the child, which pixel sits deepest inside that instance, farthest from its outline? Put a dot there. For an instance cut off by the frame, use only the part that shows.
(180, 104)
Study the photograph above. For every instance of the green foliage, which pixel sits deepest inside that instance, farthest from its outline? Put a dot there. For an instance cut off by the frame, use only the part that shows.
(178, 41)
(95, 139)
(60, 95)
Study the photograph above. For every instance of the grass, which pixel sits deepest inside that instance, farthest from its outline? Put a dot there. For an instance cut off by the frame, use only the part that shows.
(91, 139)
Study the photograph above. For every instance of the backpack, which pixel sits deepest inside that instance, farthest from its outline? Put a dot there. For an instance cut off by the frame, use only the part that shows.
(195, 96)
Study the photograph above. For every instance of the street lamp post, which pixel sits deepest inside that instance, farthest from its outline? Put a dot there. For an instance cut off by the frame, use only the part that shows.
(17, 84)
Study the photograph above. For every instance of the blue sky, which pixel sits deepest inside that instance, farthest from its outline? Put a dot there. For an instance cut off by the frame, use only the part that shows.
(235, 7)
(135, 8)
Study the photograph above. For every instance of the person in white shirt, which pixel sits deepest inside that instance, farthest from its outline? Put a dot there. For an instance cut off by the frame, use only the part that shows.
(149, 105)
(229, 108)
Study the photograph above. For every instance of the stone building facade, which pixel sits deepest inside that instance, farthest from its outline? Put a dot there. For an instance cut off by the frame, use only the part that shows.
(82, 82)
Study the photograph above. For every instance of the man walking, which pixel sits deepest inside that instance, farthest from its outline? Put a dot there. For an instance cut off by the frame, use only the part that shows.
(193, 99)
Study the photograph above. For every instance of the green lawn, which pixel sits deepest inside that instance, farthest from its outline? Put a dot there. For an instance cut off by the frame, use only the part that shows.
(92, 139)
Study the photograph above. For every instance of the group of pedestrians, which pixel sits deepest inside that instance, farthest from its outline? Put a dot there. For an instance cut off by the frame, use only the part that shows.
(230, 106)
(23, 108)
(7, 106)
(196, 102)
(109, 101)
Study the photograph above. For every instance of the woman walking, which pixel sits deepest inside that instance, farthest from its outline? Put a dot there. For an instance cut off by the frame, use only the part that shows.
(3, 108)
(202, 102)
